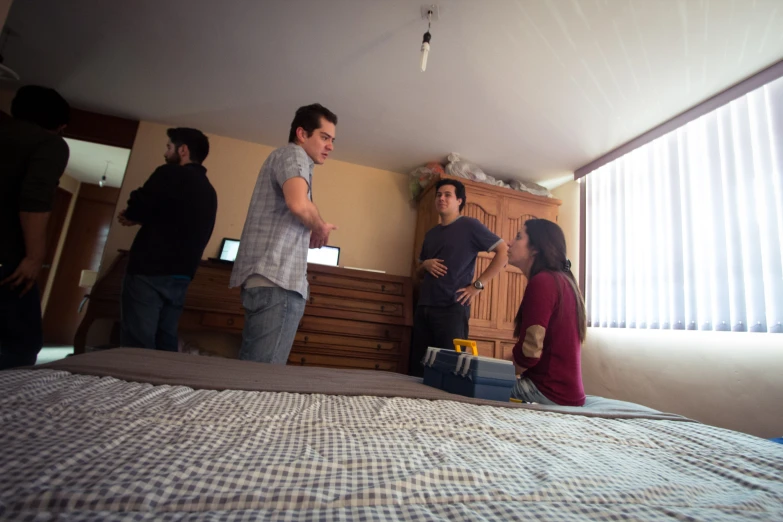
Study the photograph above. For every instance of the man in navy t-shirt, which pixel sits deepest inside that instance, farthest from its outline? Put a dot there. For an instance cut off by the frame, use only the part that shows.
(446, 266)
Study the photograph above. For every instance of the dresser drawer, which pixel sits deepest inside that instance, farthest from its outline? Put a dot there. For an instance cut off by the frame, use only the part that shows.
(357, 304)
(343, 342)
(356, 283)
(507, 351)
(311, 323)
(229, 321)
(314, 324)
(486, 348)
(210, 290)
(334, 361)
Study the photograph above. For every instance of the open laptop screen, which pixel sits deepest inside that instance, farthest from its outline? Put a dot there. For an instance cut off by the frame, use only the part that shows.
(228, 249)
(327, 255)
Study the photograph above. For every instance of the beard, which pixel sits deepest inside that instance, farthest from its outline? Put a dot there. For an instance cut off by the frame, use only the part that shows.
(174, 159)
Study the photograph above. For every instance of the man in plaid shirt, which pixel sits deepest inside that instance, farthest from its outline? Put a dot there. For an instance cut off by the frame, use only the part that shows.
(282, 222)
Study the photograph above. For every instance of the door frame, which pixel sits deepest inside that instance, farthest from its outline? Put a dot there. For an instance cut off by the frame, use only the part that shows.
(104, 129)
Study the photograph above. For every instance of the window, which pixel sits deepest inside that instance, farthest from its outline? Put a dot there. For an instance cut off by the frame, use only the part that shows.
(685, 232)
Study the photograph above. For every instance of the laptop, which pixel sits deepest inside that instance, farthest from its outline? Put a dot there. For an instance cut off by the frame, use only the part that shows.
(327, 255)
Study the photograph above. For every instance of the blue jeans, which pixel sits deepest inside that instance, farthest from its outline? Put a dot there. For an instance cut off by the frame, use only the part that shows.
(21, 333)
(151, 307)
(526, 391)
(272, 316)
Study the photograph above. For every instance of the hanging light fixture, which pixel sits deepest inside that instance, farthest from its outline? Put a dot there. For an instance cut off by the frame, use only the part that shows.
(425, 44)
(102, 182)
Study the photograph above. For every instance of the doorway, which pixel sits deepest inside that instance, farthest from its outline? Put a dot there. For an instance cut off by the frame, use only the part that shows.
(54, 232)
(94, 173)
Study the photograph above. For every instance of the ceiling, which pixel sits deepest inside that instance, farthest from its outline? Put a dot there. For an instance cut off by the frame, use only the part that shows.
(88, 162)
(528, 89)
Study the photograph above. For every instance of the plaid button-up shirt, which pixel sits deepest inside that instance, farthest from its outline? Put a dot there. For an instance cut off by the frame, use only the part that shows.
(274, 242)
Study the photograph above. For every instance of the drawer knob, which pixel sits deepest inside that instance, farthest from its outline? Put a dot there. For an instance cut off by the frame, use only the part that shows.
(383, 288)
(230, 321)
(378, 347)
(302, 361)
(306, 338)
(388, 334)
(382, 308)
(311, 299)
(377, 366)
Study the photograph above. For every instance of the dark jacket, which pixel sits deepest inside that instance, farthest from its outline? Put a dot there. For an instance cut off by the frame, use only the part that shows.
(32, 160)
(176, 208)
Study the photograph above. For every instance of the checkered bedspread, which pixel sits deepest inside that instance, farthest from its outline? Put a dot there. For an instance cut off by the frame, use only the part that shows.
(88, 448)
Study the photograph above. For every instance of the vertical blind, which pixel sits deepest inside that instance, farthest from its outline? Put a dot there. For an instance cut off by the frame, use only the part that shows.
(686, 232)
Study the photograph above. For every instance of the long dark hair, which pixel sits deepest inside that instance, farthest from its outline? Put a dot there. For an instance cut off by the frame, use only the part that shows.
(548, 241)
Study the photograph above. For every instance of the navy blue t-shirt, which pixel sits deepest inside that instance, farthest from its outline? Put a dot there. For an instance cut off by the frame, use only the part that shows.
(458, 245)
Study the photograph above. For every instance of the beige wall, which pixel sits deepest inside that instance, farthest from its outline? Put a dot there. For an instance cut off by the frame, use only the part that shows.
(71, 184)
(568, 219)
(726, 379)
(370, 206)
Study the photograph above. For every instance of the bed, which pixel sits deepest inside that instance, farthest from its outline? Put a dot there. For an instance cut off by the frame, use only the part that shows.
(140, 435)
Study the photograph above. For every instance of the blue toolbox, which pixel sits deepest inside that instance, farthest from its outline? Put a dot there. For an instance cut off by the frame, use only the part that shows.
(433, 375)
(469, 374)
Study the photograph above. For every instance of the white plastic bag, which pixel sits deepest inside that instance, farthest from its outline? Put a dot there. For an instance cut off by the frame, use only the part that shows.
(530, 187)
(464, 169)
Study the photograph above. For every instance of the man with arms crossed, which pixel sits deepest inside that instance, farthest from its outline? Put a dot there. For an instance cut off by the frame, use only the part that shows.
(446, 265)
(176, 209)
(282, 222)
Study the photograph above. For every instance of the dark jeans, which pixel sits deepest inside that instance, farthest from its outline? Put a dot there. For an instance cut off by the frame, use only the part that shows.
(438, 327)
(151, 307)
(21, 329)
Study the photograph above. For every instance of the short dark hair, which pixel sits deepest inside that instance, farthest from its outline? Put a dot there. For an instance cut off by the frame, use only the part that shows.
(309, 118)
(459, 190)
(42, 106)
(196, 141)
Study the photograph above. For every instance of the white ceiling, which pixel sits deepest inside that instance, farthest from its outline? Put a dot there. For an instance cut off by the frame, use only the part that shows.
(529, 88)
(88, 162)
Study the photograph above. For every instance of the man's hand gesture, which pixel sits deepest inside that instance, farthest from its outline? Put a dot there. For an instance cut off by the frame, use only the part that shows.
(320, 237)
(435, 267)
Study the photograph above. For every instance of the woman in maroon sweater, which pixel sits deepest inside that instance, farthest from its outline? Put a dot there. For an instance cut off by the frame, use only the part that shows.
(550, 323)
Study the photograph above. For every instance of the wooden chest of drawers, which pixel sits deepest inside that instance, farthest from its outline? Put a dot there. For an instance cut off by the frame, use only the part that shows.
(353, 319)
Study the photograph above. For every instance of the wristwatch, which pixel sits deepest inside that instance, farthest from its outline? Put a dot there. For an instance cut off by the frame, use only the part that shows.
(478, 285)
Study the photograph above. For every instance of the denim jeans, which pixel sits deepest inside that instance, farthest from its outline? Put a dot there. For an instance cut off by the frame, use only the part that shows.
(438, 327)
(151, 308)
(21, 330)
(526, 391)
(272, 316)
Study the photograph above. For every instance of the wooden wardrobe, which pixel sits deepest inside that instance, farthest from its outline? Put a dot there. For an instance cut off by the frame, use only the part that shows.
(503, 211)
